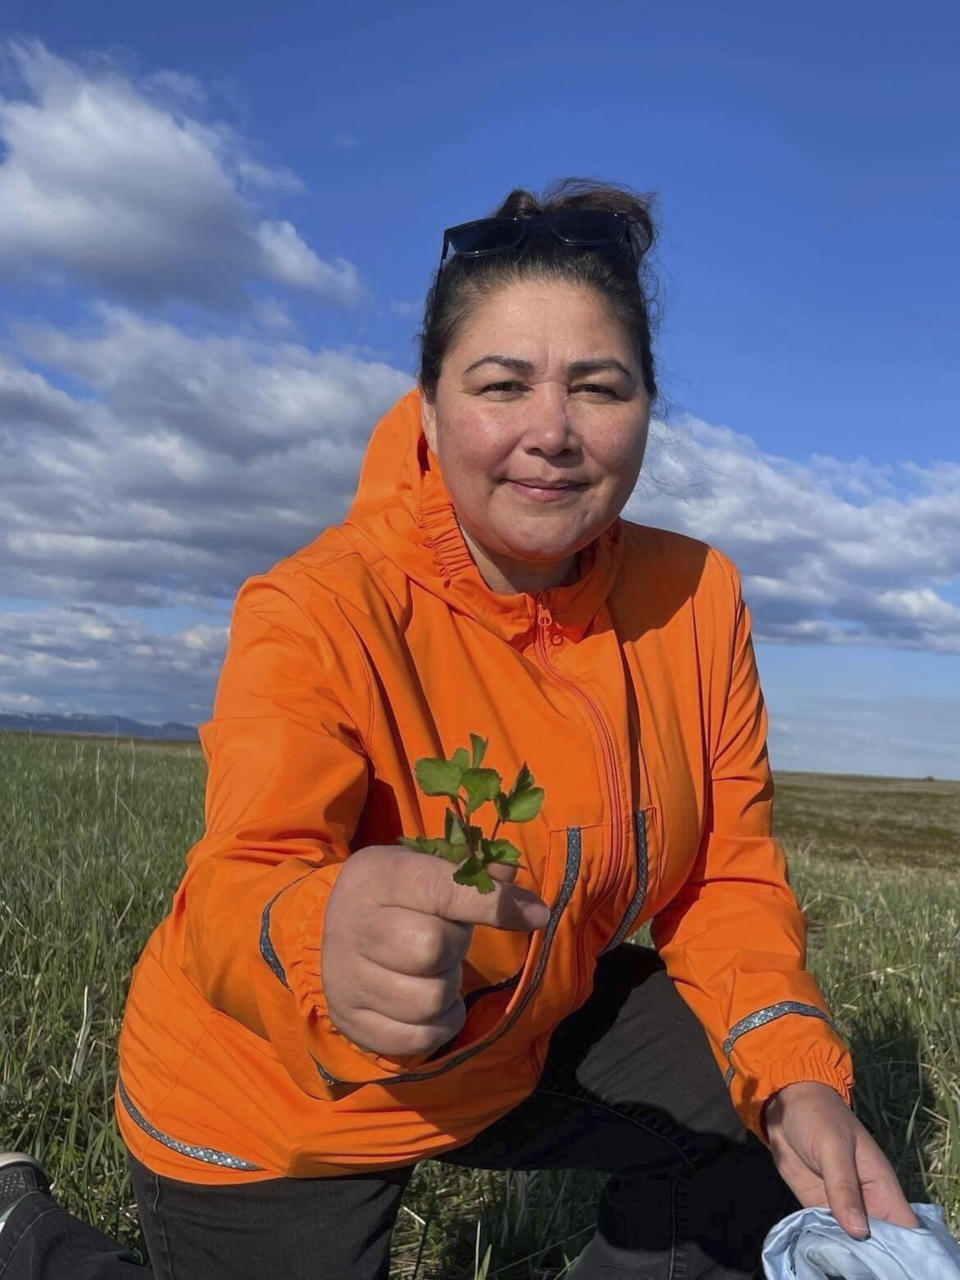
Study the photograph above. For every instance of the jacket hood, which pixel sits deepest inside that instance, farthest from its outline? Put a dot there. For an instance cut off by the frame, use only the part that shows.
(402, 506)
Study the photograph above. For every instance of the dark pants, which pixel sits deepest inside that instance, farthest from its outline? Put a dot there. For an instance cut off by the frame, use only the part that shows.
(629, 1088)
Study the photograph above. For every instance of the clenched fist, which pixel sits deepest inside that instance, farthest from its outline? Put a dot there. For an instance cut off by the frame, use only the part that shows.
(396, 930)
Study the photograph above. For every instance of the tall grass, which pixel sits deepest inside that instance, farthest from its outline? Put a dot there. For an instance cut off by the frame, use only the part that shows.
(92, 848)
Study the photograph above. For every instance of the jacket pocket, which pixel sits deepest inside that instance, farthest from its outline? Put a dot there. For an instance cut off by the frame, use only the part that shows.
(492, 1011)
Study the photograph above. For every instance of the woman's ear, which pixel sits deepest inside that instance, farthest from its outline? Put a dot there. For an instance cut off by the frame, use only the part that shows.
(428, 420)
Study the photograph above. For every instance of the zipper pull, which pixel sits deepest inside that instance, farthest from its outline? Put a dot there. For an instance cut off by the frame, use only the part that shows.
(544, 616)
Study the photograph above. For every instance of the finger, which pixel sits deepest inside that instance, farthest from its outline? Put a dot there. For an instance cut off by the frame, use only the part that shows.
(900, 1214)
(502, 871)
(842, 1186)
(414, 942)
(882, 1194)
(381, 1034)
(425, 883)
(399, 997)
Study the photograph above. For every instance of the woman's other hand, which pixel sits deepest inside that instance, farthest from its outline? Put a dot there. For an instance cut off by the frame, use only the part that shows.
(828, 1159)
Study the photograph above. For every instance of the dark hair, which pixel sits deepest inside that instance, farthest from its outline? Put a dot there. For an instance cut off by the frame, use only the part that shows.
(630, 291)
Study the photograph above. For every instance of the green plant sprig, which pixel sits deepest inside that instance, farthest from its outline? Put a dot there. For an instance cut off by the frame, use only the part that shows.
(469, 786)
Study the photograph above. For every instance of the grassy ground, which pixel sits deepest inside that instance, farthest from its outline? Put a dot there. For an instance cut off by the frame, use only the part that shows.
(93, 846)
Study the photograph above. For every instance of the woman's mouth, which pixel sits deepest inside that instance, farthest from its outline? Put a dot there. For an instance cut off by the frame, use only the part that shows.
(544, 493)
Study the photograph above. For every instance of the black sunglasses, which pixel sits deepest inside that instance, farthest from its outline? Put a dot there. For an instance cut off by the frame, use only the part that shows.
(596, 228)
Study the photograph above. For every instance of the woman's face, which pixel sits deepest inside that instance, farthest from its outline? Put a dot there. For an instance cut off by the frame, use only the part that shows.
(542, 385)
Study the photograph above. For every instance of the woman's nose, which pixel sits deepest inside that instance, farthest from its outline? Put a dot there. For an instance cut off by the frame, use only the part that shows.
(548, 426)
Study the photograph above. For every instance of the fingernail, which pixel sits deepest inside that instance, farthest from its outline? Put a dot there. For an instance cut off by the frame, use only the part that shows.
(859, 1224)
(537, 914)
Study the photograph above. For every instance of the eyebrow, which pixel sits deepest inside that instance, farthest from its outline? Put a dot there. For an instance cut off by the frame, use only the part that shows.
(575, 368)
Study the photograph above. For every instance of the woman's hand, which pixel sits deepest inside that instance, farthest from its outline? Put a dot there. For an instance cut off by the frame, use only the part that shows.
(828, 1158)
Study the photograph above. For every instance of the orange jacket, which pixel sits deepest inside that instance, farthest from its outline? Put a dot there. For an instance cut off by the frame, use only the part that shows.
(632, 694)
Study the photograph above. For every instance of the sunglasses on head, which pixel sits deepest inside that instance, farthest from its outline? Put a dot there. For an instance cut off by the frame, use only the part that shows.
(583, 228)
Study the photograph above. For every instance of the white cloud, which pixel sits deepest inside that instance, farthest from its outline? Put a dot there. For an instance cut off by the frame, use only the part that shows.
(186, 462)
(80, 658)
(123, 188)
(830, 551)
(193, 462)
(289, 261)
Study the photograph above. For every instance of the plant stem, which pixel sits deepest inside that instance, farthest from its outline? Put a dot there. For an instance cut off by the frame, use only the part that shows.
(466, 825)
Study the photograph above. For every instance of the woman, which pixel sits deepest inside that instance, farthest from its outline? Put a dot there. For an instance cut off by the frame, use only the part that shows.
(323, 1006)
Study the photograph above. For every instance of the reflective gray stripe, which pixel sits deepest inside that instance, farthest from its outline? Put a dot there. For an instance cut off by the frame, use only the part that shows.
(768, 1014)
(266, 945)
(574, 845)
(210, 1155)
(729, 1076)
(640, 824)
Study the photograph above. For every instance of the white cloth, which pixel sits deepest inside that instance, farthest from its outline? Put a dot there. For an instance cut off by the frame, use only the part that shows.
(811, 1245)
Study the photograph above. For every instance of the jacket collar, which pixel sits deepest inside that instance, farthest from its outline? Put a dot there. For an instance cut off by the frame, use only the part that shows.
(402, 506)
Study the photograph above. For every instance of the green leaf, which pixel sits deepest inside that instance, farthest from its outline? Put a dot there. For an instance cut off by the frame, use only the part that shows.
(453, 828)
(473, 873)
(481, 785)
(420, 843)
(524, 780)
(438, 777)
(524, 806)
(425, 844)
(479, 746)
(440, 848)
(461, 758)
(501, 851)
(452, 852)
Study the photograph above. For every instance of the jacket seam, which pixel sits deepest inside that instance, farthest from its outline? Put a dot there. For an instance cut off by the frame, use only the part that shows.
(183, 1065)
(380, 557)
(335, 599)
(732, 576)
(206, 1155)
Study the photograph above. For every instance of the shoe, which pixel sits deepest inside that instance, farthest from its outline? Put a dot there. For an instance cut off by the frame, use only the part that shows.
(19, 1175)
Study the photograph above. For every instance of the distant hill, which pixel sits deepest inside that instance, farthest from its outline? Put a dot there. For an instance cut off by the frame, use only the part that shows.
(108, 726)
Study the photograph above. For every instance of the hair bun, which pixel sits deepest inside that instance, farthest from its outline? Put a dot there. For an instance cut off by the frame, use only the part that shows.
(587, 193)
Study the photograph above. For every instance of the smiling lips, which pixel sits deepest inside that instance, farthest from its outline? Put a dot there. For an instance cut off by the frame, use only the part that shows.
(539, 491)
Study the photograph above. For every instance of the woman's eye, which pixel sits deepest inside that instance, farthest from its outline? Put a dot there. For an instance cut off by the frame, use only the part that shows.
(596, 387)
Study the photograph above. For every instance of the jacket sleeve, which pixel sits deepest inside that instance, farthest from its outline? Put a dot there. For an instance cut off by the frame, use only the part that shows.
(287, 781)
(734, 938)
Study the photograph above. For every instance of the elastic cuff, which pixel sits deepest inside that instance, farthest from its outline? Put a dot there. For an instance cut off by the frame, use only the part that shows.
(312, 1046)
(750, 1096)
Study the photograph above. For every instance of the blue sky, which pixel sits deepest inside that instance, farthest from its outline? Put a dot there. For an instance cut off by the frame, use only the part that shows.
(219, 226)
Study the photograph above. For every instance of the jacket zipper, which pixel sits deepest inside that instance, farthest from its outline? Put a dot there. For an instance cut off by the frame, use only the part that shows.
(544, 623)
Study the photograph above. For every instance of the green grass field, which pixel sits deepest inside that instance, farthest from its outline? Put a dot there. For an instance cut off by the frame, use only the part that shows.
(93, 846)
